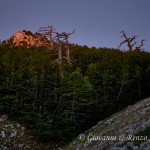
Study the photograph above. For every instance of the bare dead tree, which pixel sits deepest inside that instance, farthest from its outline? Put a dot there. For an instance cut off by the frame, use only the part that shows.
(127, 40)
(142, 44)
(62, 44)
(65, 37)
(59, 59)
(59, 47)
(48, 32)
(130, 41)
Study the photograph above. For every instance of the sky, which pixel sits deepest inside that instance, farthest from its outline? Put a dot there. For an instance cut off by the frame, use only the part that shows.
(98, 23)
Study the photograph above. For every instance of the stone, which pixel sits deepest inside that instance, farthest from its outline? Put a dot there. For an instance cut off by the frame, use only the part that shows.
(148, 123)
(3, 134)
(13, 134)
(18, 125)
(118, 148)
(130, 144)
(136, 148)
(5, 148)
(147, 104)
(143, 126)
(148, 143)
(139, 128)
(142, 145)
(22, 128)
(2, 118)
(125, 147)
(79, 147)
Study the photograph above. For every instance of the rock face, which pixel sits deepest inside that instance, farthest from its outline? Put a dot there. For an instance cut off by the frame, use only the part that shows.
(117, 132)
(27, 38)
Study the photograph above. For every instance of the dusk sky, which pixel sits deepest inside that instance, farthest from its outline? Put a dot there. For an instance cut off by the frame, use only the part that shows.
(98, 22)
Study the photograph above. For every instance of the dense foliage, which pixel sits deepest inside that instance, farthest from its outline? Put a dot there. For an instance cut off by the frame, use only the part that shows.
(98, 83)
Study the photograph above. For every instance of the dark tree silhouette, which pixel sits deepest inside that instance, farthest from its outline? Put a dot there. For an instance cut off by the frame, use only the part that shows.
(138, 47)
(130, 42)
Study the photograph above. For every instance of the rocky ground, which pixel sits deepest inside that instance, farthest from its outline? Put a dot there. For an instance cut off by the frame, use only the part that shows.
(118, 132)
(14, 136)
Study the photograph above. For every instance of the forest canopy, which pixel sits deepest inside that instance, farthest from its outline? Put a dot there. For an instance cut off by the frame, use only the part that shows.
(97, 83)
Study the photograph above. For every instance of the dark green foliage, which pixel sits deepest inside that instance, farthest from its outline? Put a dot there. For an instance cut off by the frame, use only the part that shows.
(98, 83)
(145, 132)
(142, 134)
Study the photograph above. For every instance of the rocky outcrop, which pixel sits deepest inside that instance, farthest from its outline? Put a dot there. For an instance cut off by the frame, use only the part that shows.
(14, 136)
(27, 38)
(117, 132)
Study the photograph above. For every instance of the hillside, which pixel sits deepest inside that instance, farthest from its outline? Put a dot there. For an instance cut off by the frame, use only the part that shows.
(122, 125)
(98, 83)
(121, 128)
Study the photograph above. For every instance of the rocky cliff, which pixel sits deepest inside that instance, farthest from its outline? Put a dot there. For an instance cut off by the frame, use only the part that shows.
(26, 38)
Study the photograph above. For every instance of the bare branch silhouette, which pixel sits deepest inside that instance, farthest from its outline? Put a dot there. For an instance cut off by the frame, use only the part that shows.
(142, 44)
(130, 41)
